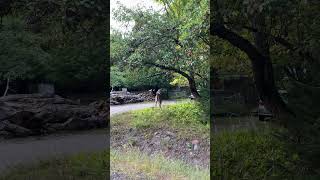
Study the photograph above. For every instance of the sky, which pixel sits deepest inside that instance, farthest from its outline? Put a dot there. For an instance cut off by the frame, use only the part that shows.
(130, 4)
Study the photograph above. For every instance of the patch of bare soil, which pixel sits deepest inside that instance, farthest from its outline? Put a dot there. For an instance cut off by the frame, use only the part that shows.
(166, 141)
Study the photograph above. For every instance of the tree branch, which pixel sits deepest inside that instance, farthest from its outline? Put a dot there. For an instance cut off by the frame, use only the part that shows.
(236, 40)
(169, 69)
(285, 43)
(206, 79)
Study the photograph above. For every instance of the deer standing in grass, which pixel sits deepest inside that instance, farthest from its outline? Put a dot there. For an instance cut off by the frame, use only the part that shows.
(158, 98)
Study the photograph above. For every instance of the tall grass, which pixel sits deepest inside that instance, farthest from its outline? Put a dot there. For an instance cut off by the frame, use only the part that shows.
(253, 155)
(83, 166)
(134, 163)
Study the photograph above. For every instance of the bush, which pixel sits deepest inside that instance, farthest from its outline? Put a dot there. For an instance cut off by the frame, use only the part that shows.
(249, 155)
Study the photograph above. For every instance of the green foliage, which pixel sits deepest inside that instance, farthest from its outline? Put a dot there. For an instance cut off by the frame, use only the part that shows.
(227, 59)
(139, 79)
(303, 130)
(74, 65)
(191, 28)
(117, 78)
(179, 80)
(69, 38)
(252, 155)
(187, 114)
(161, 39)
(292, 35)
(118, 47)
(21, 55)
(145, 78)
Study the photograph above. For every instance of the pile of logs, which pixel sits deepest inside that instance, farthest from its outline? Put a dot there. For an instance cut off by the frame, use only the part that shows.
(35, 114)
(147, 96)
(117, 99)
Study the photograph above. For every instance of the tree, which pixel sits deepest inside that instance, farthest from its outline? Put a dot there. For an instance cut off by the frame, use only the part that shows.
(21, 55)
(280, 39)
(255, 27)
(74, 33)
(157, 40)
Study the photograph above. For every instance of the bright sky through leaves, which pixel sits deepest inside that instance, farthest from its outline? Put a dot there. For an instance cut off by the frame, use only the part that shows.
(130, 4)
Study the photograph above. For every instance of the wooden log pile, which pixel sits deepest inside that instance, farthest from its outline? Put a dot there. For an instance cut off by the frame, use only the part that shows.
(35, 114)
(117, 99)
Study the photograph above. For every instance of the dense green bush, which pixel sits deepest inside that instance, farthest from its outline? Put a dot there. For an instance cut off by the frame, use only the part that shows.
(252, 155)
(21, 55)
(139, 79)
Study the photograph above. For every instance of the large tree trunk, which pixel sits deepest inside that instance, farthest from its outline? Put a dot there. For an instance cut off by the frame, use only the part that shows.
(258, 55)
(263, 69)
(261, 66)
(193, 87)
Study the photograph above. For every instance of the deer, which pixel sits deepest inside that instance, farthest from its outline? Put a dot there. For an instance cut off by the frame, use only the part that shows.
(158, 98)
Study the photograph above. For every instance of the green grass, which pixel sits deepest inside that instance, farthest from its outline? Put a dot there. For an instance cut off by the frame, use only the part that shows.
(186, 118)
(83, 166)
(253, 155)
(133, 163)
(95, 166)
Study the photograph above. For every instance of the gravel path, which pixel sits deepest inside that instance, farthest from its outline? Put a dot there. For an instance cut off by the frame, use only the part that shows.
(116, 109)
(31, 149)
(28, 150)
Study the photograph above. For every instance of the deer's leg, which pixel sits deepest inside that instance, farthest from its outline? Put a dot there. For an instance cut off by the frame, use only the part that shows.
(155, 100)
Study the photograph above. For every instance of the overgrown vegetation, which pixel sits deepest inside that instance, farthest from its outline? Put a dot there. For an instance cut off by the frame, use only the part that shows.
(275, 42)
(83, 166)
(94, 166)
(133, 163)
(139, 79)
(167, 43)
(254, 155)
(155, 133)
(61, 42)
(186, 118)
